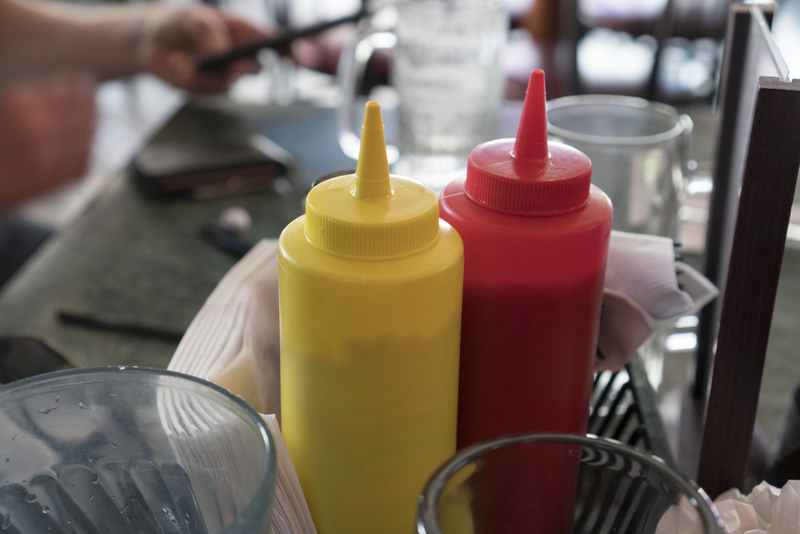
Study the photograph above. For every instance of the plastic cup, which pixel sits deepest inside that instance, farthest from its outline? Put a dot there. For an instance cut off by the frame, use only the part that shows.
(132, 450)
(561, 483)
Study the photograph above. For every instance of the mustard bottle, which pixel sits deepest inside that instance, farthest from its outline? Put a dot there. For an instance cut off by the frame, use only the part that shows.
(370, 315)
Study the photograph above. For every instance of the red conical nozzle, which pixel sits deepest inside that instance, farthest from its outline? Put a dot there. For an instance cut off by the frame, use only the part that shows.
(527, 175)
(531, 142)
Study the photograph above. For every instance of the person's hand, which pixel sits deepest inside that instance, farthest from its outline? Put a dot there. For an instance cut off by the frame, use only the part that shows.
(46, 132)
(174, 38)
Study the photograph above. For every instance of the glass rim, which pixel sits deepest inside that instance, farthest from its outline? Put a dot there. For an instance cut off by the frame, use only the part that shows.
(618, 101)
(427, 520)
(264, 492)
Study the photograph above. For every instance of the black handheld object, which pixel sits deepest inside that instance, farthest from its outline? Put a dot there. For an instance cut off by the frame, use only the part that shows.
(104, 321)
(275, 43)
(226, 240)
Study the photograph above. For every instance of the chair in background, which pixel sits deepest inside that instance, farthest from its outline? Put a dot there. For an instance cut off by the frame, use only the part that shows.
(646, 32)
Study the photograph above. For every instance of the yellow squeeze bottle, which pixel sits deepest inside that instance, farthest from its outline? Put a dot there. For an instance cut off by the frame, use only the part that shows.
(370, 315)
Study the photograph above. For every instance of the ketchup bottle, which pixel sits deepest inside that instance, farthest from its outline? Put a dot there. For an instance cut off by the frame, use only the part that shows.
(536, 236)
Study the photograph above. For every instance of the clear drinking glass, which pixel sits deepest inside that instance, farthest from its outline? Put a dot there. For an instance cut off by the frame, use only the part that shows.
(638, 151)
(132, 450)
(560, 484)
(448, 75)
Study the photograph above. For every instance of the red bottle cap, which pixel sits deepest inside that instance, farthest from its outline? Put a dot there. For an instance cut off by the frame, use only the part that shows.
(529, 175)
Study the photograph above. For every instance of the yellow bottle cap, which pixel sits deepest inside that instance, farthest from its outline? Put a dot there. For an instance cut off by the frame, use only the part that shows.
(371, 214)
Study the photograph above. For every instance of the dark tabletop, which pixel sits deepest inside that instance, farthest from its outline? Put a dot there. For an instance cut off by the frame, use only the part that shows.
(143, 259)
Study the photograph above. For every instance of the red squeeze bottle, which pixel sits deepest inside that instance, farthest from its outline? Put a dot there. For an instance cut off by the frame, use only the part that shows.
(536, 236)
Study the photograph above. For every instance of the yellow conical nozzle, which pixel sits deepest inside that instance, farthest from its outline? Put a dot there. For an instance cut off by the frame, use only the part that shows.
(372, 171)
(370, 214)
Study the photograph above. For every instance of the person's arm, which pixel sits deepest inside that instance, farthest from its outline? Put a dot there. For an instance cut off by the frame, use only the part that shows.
(38, 36)
(46, 131)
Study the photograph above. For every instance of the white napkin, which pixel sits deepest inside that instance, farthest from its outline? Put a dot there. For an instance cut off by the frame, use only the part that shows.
(233, 341)
(765, 510)
(642, 267)
(644, 285)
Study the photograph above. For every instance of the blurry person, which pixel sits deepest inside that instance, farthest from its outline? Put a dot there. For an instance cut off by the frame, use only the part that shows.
(51, 57)
(46, 131)
(51, 54)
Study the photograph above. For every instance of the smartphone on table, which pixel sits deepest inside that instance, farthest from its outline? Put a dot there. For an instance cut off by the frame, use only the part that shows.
(205, 152)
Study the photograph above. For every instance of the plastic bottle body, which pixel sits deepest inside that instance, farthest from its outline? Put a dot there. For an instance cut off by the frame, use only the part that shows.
(533, 289)
(369, 377)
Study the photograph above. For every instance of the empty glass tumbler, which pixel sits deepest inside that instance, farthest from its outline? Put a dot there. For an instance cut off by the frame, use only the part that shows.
(131, 450)
(638, 152)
